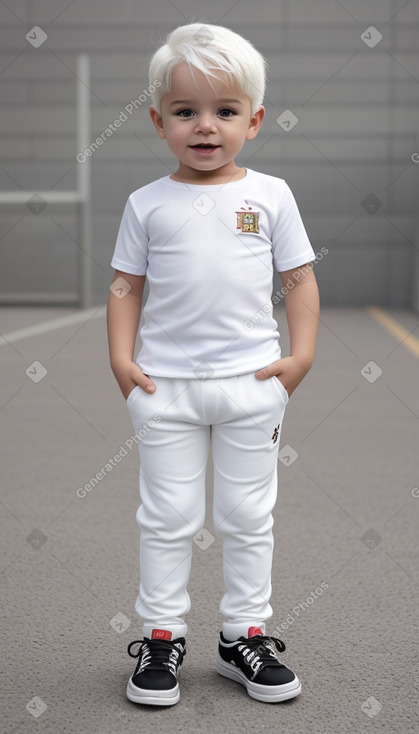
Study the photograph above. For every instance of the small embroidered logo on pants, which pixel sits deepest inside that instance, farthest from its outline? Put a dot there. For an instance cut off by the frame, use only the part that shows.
(275, 433)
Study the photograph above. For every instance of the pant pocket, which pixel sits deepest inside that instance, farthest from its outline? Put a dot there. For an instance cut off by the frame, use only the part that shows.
(132, 393)
(284, 395)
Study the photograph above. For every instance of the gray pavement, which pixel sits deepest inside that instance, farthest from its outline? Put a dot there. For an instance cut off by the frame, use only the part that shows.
(345, 576)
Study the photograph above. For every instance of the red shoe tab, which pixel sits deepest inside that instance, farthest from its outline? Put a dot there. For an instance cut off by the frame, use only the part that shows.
(254, 631)
(161, 635)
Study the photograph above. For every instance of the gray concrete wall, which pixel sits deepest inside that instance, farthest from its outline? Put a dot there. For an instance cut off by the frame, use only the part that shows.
(357, 105)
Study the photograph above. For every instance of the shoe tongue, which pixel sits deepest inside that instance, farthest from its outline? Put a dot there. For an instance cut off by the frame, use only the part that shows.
(253, 631)
(161, 634)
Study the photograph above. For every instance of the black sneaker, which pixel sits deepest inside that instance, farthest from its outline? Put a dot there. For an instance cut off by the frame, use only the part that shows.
(252, 661)
(155, 678)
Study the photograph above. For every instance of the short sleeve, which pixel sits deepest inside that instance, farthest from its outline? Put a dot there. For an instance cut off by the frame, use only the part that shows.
(291, 246)
(131, 248)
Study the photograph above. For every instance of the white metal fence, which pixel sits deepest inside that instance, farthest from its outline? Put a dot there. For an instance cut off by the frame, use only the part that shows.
(80, 197)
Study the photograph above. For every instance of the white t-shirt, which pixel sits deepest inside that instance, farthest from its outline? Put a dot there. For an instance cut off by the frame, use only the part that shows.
(208, 251)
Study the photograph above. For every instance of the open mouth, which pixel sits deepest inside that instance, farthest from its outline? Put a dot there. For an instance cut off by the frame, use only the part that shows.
(205, 146)
(205, 150)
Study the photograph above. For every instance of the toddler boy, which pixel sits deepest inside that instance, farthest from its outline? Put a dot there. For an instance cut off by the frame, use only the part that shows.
(207, 238)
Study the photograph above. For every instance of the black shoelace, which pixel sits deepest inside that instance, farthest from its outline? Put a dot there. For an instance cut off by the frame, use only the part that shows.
(259, 652)
(154, 654)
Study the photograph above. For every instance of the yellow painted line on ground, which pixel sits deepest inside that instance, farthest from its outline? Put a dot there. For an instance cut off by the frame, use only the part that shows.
(404, 337)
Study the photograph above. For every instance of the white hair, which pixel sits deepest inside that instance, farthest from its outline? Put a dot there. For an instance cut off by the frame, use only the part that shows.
(208, 48)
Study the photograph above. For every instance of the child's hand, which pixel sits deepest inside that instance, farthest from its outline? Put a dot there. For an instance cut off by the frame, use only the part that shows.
(128, 375)
(289, 371)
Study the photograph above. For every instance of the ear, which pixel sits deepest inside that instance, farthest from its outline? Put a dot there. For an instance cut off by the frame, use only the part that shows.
(255, 123)
(157, 122)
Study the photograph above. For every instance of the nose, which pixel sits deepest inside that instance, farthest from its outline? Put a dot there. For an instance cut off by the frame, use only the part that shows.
(205, 123)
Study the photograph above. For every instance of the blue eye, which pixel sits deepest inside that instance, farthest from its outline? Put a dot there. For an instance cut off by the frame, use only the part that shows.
(226, 109)
(180, 113)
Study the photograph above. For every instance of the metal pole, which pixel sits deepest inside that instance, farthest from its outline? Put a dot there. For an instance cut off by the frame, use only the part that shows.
(414, 300)
(83, 181)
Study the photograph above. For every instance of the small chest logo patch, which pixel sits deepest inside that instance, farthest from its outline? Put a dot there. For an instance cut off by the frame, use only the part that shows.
(248, 220)
(275, 433)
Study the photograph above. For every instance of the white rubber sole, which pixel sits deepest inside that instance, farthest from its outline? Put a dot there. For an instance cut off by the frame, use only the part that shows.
(267, 694)
(152, 698)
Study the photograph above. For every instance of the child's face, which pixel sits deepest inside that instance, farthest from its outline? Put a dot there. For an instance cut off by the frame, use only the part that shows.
(194, 112)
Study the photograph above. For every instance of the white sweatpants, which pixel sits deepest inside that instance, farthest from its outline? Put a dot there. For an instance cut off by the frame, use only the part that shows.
(173, 429)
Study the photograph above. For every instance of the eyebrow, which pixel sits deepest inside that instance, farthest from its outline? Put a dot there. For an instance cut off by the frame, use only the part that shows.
(191, 101)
